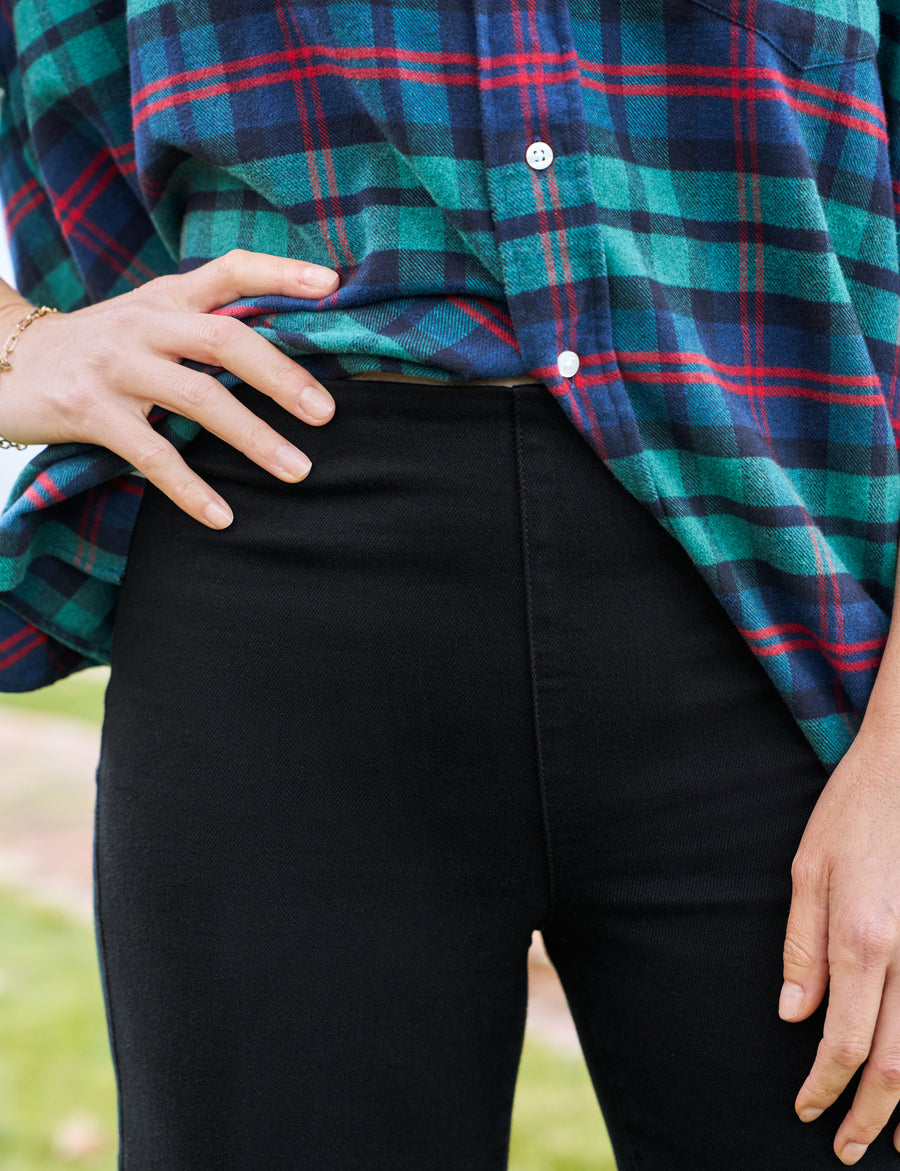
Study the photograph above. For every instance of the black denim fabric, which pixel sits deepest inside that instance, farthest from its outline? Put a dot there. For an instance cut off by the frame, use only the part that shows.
(455, 686)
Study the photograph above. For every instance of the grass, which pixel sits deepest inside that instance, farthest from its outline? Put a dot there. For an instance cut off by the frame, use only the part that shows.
(54, 1057)
(79, 695)
(557, 1125)
(56, 1077)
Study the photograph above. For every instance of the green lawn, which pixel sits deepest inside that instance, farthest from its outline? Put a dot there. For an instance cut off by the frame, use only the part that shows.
(54, 1060)
(78, 695)
(56, 1080)
(557, 1124)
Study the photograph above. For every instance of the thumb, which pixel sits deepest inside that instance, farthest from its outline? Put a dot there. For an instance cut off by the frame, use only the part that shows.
(805, 947)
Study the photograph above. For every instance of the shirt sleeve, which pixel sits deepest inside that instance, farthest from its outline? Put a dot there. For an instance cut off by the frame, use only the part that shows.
(77, 223)
(44, 268)
(79, 232)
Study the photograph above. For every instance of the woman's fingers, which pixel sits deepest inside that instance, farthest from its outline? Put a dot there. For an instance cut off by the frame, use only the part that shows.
(854, 999)
(805, 943)
(228, 342)
(847, 891)
(846, 951)
(200, 397)
(241, 273)
(879, 1087)
(161, 463)
(170, 318)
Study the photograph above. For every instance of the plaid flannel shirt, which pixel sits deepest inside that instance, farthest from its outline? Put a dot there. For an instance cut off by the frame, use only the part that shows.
(695, 201)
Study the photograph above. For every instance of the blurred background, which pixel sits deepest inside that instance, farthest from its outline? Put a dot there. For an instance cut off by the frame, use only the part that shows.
(57, 1088)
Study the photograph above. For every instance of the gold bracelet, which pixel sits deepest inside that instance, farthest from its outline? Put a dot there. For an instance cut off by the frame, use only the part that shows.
(8, 349)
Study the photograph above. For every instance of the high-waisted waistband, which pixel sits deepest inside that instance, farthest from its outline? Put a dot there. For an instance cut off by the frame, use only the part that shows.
(385, 375)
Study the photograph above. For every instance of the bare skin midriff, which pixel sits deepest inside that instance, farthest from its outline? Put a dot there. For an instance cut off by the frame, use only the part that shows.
(390, 377)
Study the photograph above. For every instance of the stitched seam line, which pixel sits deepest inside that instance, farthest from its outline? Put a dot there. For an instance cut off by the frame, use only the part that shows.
(523, 516)
(101, 943)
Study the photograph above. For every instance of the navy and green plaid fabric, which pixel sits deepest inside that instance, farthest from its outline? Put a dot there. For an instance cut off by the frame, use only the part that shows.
(715, 238)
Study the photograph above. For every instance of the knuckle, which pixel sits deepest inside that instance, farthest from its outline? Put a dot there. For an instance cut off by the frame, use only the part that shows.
(797, 954)
(847, 1053)
(229, 262)
(194, 392)
(862, 1126)
(214, 332)
(260, 437)
(871, 939)
(190, 492)
(286, 268)
(151, 455)
(285, 381)
(886, 1073)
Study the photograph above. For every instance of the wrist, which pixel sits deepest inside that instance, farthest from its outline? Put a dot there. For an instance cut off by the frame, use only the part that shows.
(880, 730)
(11, 313)
(21, 326)
(14, 309)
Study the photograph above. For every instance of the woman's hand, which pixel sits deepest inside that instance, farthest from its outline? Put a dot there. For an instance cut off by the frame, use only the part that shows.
(94, 375)
(844, 932)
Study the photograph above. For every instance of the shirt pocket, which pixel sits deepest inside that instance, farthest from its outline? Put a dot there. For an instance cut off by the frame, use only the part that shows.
(808, 33)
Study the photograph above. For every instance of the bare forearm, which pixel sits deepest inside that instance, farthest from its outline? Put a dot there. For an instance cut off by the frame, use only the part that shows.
(9, 296)
(13, 307)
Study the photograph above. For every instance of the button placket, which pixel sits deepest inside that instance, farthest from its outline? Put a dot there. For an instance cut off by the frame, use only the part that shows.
(529, 271)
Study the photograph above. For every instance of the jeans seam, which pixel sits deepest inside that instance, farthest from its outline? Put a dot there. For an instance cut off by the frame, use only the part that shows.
(102, 956)
(529, 618)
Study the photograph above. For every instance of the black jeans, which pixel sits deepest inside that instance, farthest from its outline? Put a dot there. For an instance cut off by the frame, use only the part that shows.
(455, 686)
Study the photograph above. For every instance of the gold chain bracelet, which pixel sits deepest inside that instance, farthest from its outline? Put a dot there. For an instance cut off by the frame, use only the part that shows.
(8, 349)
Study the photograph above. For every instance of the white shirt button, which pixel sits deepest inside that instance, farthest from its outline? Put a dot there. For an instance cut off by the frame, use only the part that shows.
(539, 155)
(568, 363)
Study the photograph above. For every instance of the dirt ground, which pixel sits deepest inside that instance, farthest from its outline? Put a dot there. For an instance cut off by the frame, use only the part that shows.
(46, 836)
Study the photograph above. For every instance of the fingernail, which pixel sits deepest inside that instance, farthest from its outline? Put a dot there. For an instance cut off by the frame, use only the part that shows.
(220, 516)
(294, 462)
(319, 277)
(790, 1000)
(317, 402)
(810, 1114)
(853, 1152)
